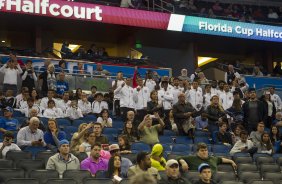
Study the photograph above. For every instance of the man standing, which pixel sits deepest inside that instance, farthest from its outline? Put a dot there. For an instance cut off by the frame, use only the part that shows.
(205, 174)
(195, 96)
(254, 111)
(63, 160)
(115, 84)
(226, 97)
(173, 175)
(230, 75)
(29, 77)
(94, 162)
(275, 98)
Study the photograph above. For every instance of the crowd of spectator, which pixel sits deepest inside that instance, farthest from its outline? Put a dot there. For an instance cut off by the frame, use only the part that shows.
(227, 111)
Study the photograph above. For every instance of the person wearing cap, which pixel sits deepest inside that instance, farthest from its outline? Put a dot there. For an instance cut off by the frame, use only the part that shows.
(63, 160)
(30, 135)
(254, 111)
(157, 159)
(125, 162)
(202, 156)
(7, 123)
(99, 104)
(205, 174)
(173, 175)
(94, 162)
(143, 166)
(125, 92)
(182, 112)
(275, 98)
(149, 133)
(141, 95)
(7, 144)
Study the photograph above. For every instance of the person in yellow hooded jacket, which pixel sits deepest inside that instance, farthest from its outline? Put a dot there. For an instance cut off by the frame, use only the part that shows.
(157, 159)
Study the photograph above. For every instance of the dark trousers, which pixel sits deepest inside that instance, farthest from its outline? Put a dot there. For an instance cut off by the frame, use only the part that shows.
(166, 120)
(123, 112)
(116, 108)
(141, 113)
(12, 87)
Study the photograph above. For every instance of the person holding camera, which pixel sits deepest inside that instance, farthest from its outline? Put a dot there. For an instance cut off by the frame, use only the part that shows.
(7, 144)
(29, 77)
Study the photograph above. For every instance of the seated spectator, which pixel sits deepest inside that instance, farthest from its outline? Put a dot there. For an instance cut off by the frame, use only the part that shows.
(66, 51)
(243, 145)
(97, 128)
(236, 133)
(34, 113)
(73, 112)
(278, 119)
(104, 118)
(265, 145)
(157, 159)
(31, 135)
(9, 100)
(7, 144)
(143, 166)
(62, 67)
(277, 71)
(211, 14)
(35, 97)
(80, 68)
(202, 156)
(22, 103)
(202, 122)
(99, 70)
(98, 105)
(52, 112)
(53, 135)
(78, 93)
(129, 131)
(222, 135)
(78, 137)
(272, 14)
(124, 144)
(92, 96)
(89, 141)
(44, 101)
(276, 138)
(255, 136)
(202, 79)
(7, 123)
(205, 174)
(84, 105)
(19, 97)
(94, 162)
(125, 162)
(149, 132)
(63, 160)
(61, 86)
(173, 174)
(65, 103)
(114, 168)
(93, 51)
(257, 71)
(30, 105)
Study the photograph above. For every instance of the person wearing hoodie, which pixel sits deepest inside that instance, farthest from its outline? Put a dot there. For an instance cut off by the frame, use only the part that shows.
(157, 159)
(63, 160)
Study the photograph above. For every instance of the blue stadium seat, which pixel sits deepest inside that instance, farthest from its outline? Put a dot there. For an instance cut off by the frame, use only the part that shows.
(181, 148)
(34, 150)
(70, 130)
(89, 118)
(183, 140)
(140, 146)
(220, 148)
(257, 155)
(63, 122)
(240, 154)
(107, 131)
(199, 133)
(167, 148)
(165, 139)
(202, 139)
(18, 114)
(118, 124)
(169, 133)
(44, 121)
(77, 122)
(101, 174)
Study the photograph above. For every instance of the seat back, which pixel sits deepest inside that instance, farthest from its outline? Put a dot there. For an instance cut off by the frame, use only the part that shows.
(22, 181)
(61, 181)
(97, 181)
(27, 165)
(224, 176)
(77, 175)
(43, 175)
(18, 155)
(44, 156)
(6, 164)
(6, 174)
(246, 177)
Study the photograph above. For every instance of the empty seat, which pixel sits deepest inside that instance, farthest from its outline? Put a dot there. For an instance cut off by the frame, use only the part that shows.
(27, 165)
(191, 175)
(43, 175)
(130, 156)
(231, 182)
(18, 155)
(22, 181)
(202, 139)
(44, 155)
(6, 174)
(220, 148)
(275, 177)
(125, 181)
(264, 160)
(77, 175)
(257, 155)
(101, 174)
(201, 133)
(181, 148)
(243, 160)
(140, 146)
(172, 156)
(260, 182)
(183, 140)
(63, 122)
(6, 164)
(240, 154)
(269, 168)
(167, 148)
(61, 181)
(169, 133)
(97, 181)
(246, 177)
(247, 167)
(279, 161)
(165, 139)
(108, 130)
(77, 122)
(225, 168)
(224, 176)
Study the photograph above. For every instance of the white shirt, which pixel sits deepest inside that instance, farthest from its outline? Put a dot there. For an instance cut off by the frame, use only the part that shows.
(84, 106)
(63, 105)
(126, 96)
(19, 97)
(119, 83)
(150, 83)
(141, 97)
(25, 136)
(12, 147)
(26, 110)
(22, 104)
(239, 145)
(226, 99)
(99, 106)
(277, 101)
(74, 113)
(207, 98)
(176, 90)
(166, 97)
(105, 123)
(53, 113)
(195, 97)
(44, 103)
(10, 75)
(214, 91)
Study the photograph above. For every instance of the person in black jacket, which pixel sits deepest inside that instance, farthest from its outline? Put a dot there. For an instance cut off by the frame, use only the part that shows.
(254, 111)
(269, 107)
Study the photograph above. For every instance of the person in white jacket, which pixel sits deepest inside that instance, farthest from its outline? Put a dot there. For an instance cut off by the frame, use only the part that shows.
(195, 96)
(84, 104)
(74, 112)
(98, 105)
(226, 97)
(243, 145)
(52, 111)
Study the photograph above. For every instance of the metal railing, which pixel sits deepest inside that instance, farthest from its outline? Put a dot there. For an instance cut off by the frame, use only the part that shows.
(163, 6)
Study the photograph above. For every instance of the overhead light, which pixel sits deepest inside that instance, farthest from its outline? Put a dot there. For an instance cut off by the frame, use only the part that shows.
(3, 41)
(205, 60)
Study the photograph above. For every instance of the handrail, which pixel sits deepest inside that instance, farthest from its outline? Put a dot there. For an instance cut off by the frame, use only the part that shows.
(161, 6)
(248, 2)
